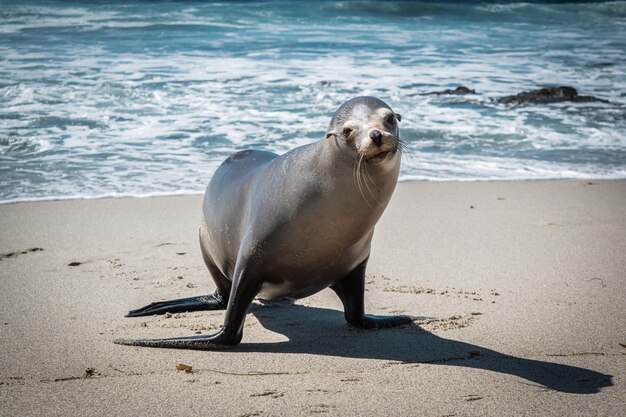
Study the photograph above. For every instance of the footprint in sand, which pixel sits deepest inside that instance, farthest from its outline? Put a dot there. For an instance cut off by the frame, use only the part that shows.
(15, 254)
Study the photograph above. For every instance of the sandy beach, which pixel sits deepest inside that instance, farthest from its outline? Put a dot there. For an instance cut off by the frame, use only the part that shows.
(518, 292)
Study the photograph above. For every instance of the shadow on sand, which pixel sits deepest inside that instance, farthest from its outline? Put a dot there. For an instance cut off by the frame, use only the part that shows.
(303, 326)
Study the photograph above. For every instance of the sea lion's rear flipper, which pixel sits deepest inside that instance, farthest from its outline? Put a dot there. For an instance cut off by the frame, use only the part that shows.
(215, 301)
(351, 291)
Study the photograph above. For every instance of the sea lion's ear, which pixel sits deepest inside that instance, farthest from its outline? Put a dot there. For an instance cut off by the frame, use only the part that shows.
(399, 117)
(329, 135)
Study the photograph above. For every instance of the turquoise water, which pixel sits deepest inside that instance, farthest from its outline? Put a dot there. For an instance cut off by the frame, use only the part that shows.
(143, 98)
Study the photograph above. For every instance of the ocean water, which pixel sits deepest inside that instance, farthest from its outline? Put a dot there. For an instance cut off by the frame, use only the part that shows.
(143, 98)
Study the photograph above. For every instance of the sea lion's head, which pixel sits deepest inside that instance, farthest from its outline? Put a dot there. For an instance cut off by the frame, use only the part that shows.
(367, 128)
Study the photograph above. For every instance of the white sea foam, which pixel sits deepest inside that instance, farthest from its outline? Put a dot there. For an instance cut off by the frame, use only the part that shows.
(96, 117)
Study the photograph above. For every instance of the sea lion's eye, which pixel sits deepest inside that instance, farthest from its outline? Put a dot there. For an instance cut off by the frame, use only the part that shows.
(391, 120)
(346, 132)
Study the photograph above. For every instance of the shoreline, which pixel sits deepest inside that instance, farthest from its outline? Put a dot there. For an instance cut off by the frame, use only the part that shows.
(400, 181)
(516, 289)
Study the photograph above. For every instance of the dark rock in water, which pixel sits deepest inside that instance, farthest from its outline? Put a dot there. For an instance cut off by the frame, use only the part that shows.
(457, 91)
(549, 95)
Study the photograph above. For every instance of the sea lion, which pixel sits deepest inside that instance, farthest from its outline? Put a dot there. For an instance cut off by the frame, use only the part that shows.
(291, 225)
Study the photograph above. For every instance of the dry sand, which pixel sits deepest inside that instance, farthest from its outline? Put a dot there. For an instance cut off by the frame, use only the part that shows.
(518, 290)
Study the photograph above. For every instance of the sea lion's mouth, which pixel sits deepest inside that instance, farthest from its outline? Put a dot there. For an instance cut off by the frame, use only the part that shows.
(378, 158)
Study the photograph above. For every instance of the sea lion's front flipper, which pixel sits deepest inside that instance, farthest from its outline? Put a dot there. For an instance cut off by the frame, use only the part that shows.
(383, 322)
(219, 340)
(351, 291)
(215, 301)
(245, 287)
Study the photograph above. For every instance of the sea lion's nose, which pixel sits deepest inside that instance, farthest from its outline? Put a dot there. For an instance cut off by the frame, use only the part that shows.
(377, 137)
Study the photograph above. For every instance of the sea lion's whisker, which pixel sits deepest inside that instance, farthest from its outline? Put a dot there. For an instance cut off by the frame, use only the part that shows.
(356, 174)
(361, 180)
(405, 150)
(367, 177)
